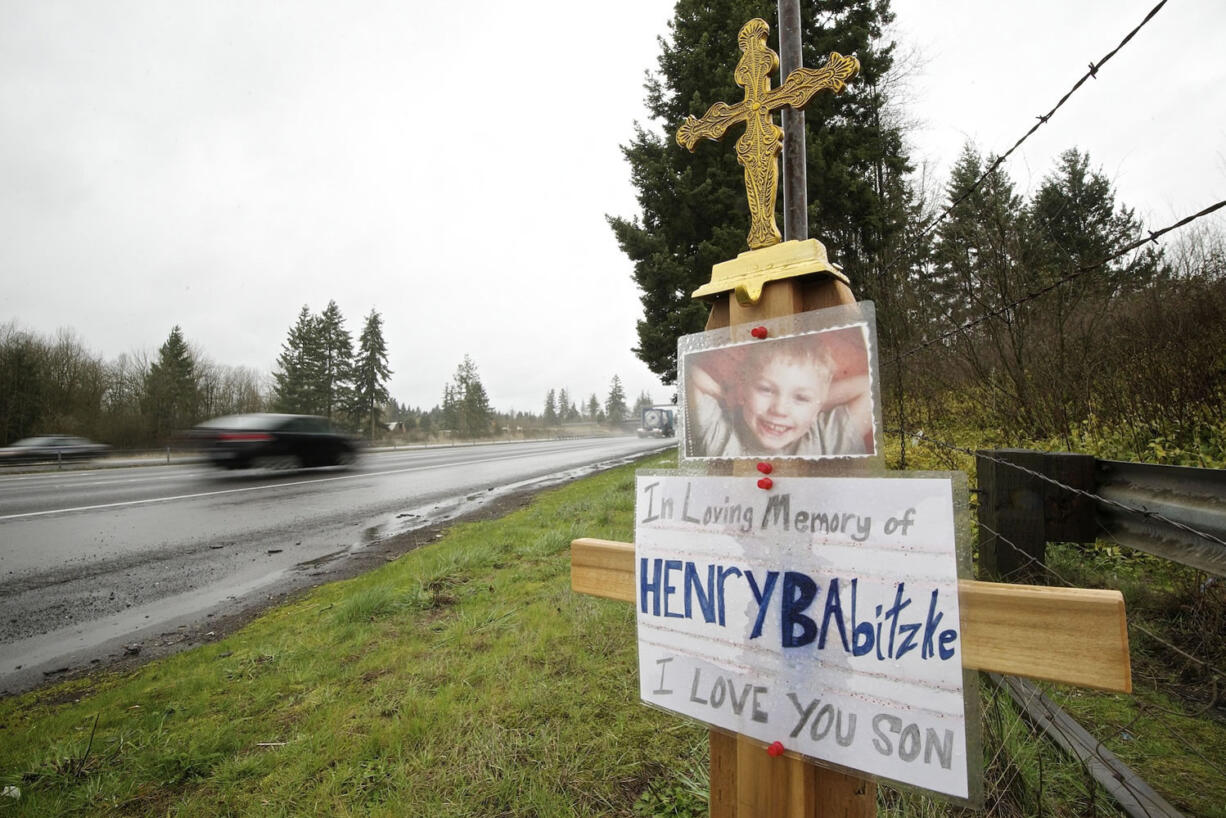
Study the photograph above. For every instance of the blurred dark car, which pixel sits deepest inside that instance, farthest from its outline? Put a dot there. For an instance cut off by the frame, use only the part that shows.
(274, 442)
(52, 449)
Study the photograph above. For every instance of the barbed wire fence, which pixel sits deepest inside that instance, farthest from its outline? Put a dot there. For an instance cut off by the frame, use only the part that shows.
(1003, 768)
(914, 241)
(1042, 119)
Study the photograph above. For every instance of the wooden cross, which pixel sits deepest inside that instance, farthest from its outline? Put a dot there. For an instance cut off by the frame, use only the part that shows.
(758, 148)
(1075, 636)
(1069, 635)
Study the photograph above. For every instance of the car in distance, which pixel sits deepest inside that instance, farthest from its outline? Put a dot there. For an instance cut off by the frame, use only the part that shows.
(51, 449)
(273, 441)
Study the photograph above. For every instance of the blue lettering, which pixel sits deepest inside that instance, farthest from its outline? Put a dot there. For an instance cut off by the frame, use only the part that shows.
(762, 597)
(893, 613)
(946, 638)
(834, 608)
(908, 638)
(669, 588)
(724, 573)
(651, 586)
(927, 651)
(693, 587)
(799, 591)
(859, 646)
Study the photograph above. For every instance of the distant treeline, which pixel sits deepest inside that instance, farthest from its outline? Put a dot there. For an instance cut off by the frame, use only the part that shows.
(1007, 317)
(56, 385)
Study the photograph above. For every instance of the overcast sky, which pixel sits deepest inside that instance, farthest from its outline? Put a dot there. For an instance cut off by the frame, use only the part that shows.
(219, 164)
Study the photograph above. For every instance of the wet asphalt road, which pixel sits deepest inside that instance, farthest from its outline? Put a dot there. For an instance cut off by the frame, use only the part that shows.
(93, 559)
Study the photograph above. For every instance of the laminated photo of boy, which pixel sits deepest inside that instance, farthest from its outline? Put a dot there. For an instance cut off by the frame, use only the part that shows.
(781, 398)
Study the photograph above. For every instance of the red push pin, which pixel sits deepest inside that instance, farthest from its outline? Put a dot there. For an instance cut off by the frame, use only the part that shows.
(758, 332)
(765, 483)
(775, 750)
(765, 468)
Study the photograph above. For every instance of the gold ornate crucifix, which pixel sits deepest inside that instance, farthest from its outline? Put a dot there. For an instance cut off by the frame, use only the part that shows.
(758, 148)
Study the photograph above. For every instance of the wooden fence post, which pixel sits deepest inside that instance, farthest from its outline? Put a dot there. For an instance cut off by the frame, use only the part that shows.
(1020, 512)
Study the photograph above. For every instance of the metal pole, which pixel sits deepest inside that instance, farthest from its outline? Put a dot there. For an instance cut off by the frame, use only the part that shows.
(795, 202)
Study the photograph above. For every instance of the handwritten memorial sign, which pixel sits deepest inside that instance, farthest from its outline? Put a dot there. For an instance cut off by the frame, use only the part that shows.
(822, 614)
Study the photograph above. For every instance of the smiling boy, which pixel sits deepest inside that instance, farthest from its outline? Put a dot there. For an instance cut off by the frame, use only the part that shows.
(782, 405)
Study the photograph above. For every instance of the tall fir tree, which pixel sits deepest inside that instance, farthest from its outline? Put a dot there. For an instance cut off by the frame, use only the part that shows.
(370, 373)
(615, 403)
(449, 413)
(171, 388)
(550, 415)
(296, 378)
(980, 264)
(466, 403)
(981, 246)
(1078, 223)
(693, 207)
(335, 361)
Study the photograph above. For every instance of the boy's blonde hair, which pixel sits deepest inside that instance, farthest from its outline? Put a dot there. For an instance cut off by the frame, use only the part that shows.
(798, 349)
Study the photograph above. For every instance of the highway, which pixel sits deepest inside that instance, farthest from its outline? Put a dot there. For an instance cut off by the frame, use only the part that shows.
(97, 561)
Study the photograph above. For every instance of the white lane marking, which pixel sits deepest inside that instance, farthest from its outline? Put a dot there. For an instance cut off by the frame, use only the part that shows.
(48, 512)
(75, 476)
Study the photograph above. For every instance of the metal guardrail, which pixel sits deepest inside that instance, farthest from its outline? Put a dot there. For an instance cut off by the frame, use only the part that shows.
(1174, 512)
(1029, 498)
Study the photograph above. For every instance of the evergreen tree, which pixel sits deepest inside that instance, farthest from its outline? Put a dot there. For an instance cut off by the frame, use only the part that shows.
(593, 408)
(980, 264)
(693, 207)
(564, 406)
(1078, 223)
(1034, 363)
(478, 415)
(297, 377)
(335, 361)
(450, 413)
(551, 411)
(370, 372)
(465, 402)
(615, 404)
(980, 245)
(171, 388)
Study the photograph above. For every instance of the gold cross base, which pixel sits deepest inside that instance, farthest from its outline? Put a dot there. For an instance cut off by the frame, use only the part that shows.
(750, 271)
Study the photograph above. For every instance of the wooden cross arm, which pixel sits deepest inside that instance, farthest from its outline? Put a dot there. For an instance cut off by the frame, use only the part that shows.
(1077, 636)
(803, 83)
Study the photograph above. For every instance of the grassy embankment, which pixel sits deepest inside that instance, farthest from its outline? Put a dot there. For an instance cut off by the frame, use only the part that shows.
(463, 679)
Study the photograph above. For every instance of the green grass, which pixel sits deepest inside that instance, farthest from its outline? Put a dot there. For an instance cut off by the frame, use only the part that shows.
(464, 678)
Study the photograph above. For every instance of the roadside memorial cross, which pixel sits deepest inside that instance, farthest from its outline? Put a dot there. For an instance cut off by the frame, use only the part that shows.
(758, 148)
(1075, 636)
